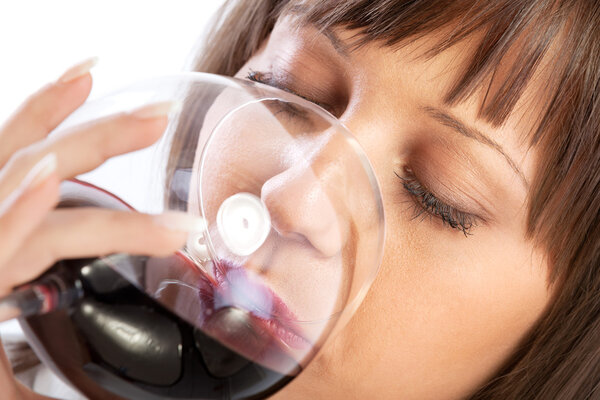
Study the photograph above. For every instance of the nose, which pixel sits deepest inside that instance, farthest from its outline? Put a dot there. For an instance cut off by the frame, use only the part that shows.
(306, 200)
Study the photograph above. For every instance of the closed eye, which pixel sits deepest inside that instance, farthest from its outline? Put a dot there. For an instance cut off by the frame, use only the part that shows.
(427, 202)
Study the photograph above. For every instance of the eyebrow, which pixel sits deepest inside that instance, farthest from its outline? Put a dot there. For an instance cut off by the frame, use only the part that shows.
(337, 44)
(452, 122)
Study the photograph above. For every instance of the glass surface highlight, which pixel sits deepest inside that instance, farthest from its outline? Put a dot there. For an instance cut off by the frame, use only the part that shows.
(293, 239)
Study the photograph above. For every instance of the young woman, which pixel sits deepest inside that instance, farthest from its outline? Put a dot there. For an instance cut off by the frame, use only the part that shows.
(482, 122)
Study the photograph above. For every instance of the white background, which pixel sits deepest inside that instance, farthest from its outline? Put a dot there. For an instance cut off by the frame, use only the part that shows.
(133, 39)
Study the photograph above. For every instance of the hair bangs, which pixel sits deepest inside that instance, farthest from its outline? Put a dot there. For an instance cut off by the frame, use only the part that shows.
(521, 28)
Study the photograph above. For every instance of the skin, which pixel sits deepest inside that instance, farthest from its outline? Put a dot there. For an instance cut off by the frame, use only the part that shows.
(33, 235)
(446, 309)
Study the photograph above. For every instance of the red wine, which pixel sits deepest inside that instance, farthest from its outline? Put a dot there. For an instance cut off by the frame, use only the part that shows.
(115, 342)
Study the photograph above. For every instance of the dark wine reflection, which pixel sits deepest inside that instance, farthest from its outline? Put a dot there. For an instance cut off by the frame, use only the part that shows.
(119, 343)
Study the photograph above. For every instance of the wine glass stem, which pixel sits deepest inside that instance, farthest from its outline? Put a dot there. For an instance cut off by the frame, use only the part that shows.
(39, 297)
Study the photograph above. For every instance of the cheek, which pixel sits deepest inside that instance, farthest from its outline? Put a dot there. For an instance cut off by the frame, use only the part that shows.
(445, 312)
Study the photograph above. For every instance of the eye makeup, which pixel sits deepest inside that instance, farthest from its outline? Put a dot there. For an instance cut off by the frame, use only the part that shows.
(427, 202)
(268, 78)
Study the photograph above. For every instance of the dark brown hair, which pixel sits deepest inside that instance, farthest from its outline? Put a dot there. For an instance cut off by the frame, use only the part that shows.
(560, 357)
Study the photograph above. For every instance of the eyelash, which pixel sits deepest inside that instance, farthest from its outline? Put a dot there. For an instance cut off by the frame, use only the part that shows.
(426, 201)
(267, 79)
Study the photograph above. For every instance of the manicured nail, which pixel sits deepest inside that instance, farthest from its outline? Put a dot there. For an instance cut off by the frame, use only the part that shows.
(78, 70)
(157, 110)
(180, 221)
(40, 171)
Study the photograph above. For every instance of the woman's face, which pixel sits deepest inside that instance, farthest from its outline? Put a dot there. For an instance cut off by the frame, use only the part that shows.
(460, 283)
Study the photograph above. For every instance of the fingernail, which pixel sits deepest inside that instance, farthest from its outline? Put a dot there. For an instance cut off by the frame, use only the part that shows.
(180, 221)
(40, 171)
(157, 110)
(78, 70)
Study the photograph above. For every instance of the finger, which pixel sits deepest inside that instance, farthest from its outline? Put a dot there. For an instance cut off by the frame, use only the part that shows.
(7, 379)
(43, 111)
(89, 232)
(12, 389)
(22, 212)
(86, 147)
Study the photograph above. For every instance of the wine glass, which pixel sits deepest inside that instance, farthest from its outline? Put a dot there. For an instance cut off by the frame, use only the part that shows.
(292, 239)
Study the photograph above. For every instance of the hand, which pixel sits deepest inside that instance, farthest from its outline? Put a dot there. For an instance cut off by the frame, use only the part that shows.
(33, 235)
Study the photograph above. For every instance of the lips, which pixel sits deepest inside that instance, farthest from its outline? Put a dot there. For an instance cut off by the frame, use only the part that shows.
(238, 288)
(243, 314)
